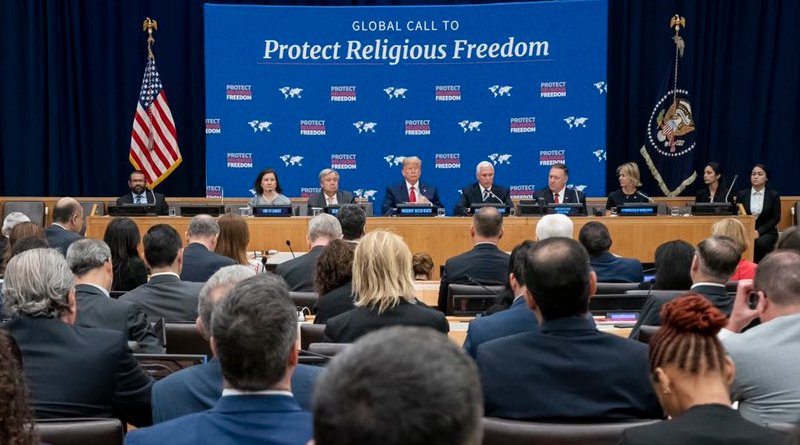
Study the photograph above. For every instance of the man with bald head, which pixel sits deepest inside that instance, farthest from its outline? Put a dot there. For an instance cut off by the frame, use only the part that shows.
(411, 190)
(67, 224)
(483, 191)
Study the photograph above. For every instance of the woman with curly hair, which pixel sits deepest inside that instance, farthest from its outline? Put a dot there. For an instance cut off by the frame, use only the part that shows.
(16, 421)
(333, 281)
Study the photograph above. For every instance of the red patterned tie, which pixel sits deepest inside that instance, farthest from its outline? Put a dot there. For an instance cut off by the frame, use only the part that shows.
(555, 198)
(412, 195)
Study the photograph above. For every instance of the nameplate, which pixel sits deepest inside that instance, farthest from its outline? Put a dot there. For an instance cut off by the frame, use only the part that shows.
(638, 210)
(415, 210)
(265, 211)
(501, 208)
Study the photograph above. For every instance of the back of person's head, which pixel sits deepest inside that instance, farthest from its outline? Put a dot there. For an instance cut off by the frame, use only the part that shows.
(778, 276)
(161, 245)
(16, 418)
(673, 261)
(85, 255)
(334, 266)
(234, 236)
(324, 226)
(789, 239)
(555, 225)
(203, 226)
(488, 223)
(558, 276)
(24, 230)
(399, 386)
(11, 221)
(733, 229)
(517, 260)
(26, 244)
(122, 237)
(352, 219)
(422, 264)
(37, 283)
(215, 289)
(382, 271)
(254, 332)
(28, 231)
(718, 257)
(64, 209)
(595, 238)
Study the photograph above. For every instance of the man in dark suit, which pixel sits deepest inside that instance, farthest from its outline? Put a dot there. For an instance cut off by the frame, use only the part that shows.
(257, 405)
(165, 295)
(72, 371)
(299, 272)
(139, 195)
(198, 388)
(715, 260)
(199, 259)
(609, 268)
(569, 370)
(557, 191)
(90, 261)
(485, 263)
(483, 191)
(410, 190)
(67, 224)
(330, 194)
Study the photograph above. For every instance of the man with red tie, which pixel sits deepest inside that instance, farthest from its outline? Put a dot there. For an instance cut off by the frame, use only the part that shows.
(411, 190)
(557, 191)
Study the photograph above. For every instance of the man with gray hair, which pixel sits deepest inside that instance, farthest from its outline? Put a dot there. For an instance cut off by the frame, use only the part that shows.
(485, 191)
(330, 194)
(299, 272)
(72, 371)
(90, 262)
(411, 190)
(555, 225)
(199, 259)
(67, 224)
(198, 388)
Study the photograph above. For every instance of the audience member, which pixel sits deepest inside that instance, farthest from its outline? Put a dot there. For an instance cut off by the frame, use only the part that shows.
(555, 225)
(789, 239)
(609, 268)
(199, 259)
(90, 262)
(299, 272)
(122, 237)
(21, 230)
(198, 388)
(673, 261)
(165, 295)
(399, 386)
(234, 236)
(254, 337)
(353, 219)
(16, 419)
(485, 263)
(333, 282)
(422, 264)
(384, 289)
(734, 229)
(67, 224)
(11, 220)
(517, 318)
(691, 376)
(140, 195)
(568, 370)
(72, 371)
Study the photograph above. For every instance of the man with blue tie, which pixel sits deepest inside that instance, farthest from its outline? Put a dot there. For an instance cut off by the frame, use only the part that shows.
(483, 191)
(140, 195)
(411, 190)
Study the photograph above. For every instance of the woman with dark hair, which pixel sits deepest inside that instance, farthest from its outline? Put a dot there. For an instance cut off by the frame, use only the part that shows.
(673, 262)
(268, 190)
(789, 239)
(333, 281)
(234, 236)
(764, 203)
(16, 419)
(692, 376)
(22, 230)
(715, 189)
(122, 236)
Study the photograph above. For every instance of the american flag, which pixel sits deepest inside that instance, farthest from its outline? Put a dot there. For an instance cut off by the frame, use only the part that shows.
(154, 142)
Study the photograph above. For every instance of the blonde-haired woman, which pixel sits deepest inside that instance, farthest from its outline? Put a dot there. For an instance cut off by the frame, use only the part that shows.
(734, 229)
(383, 281)
(629, 182)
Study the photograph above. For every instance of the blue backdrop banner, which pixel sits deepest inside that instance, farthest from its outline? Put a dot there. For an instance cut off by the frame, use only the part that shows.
(358, 89)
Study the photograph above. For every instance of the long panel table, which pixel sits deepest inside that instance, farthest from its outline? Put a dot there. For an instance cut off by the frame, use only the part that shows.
(443, 238)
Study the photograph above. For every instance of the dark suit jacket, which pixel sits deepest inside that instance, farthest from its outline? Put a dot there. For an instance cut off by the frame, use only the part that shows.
(348, 327)
(767, 221)
(473, 194)
(485, 263)
(569, 370)
(618, 198)
(198, 388)
(342, 197)
(199, 263)
(703, 195)
(75, 371)
(131, 277)
(703, 425)
(569, 196)
(162, 208)
(398, 194)
(60, 238)
(96, 310)
(299, 272)
(335, 302)
(651, 311)
(518, 318)
(614, 269)
(248, 419)
(166, 296)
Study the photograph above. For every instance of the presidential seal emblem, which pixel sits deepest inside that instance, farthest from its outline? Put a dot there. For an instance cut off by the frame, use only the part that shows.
(669, 123)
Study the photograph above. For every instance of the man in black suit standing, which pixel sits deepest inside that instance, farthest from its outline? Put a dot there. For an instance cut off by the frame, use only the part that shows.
(199, 259)
(72, 371)
(140, 195)
(299, 272)
(483, 191)
(556, 191)
(67, 224)
(330, 194)
(90, 261)
(485, 263)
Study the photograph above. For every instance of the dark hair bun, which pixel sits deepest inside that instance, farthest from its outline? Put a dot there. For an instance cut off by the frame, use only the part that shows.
(693, 314)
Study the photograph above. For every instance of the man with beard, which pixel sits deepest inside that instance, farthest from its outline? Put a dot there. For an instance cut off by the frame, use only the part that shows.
(139, 195)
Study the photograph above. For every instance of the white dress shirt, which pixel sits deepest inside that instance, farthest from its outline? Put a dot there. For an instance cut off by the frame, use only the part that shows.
(756, 201)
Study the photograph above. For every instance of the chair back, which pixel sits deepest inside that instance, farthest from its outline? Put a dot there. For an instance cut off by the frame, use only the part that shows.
(305, 300)
(646, 333)
(183, 338)
(80, 431)
(36, 211)
(310, 333)
(616, 303)
(328, 349)
(615, 288)
(466, 299)
(159, 366)
(91, 208)
(515, 432)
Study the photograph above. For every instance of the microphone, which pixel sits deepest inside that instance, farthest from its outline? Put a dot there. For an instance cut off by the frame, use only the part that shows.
(495, 196)
(264, 262)
(542, 205)
(644, 196)
(735, 177)
(472, 281)
(289, 245)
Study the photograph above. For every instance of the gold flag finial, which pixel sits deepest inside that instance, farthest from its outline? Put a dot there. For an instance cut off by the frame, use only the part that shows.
(149, 25)
(677, 22)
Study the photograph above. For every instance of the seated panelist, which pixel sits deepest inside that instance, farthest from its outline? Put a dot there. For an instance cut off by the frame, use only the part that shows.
(411, 190)
(483, 191)
(140, 195)
(330, 195)
(557, 191)
(268, 190)
(714, 188)
(629, 182)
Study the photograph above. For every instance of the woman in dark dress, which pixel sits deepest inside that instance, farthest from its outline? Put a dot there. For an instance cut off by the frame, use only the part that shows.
(715, 189)
(629, 182)
(333, 281)
(764, 203)
(122, 237)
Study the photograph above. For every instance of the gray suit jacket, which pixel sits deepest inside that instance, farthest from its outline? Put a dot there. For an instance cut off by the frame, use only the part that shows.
(299, 273)
(168, 297)
(342, 197)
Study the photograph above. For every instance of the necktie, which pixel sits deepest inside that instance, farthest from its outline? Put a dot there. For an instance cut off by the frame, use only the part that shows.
(138, 199)
(485, 195)
(412, 195)
(555, 198)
